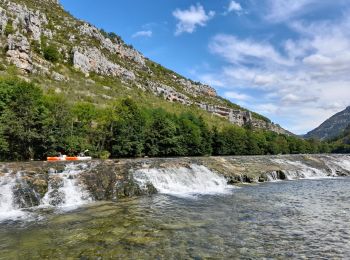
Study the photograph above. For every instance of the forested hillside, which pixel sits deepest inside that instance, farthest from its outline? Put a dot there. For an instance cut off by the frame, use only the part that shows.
(34, 125)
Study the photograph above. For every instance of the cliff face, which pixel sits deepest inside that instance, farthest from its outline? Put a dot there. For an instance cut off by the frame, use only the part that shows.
(332, 127)
(49, 45)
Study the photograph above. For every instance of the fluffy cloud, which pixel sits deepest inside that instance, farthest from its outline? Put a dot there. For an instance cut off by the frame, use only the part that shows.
(147, 33)
(301, 81)
(234, 7)
(238, 51)
(190, 19)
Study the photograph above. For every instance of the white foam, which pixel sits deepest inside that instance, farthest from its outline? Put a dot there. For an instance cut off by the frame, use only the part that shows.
(183, 181)
(8, 210)
(301, 170)
(73, 195)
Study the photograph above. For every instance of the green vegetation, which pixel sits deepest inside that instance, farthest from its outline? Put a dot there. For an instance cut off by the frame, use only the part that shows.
(9, 28)
(341, 144)
(51, 53)
(34, 125)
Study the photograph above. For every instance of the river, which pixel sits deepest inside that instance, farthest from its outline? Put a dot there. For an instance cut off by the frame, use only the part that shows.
(194, 216)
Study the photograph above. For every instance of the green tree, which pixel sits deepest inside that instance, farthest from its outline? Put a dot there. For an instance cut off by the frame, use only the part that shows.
(58, 125)
(234, 138)
(22, 120)
(161, 136)
(129, 131)
(252, 144)
(190, 135)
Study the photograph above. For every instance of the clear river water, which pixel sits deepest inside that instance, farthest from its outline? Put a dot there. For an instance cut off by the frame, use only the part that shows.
(301, 219)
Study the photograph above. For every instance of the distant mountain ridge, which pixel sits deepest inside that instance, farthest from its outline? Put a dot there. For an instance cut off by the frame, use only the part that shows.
(332, 127)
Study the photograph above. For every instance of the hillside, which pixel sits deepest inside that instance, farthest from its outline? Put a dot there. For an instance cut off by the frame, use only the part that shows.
(332, 127)
(44, 44)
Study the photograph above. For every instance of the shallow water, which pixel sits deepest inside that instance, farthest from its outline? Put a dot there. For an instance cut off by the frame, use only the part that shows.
(291, 219)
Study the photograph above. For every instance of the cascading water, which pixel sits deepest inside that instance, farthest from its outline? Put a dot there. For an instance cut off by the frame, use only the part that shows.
(17, 198)
(183, 181)
(64, 190)
(273, 176)
(337, 164)
(8, 209)
(300, 170)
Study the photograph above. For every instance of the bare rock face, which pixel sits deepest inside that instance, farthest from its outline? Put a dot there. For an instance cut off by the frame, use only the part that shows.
(197, 88)
(18, 52)
(31, 21)
(168, 93)
(92, 60)
(113, 47)
(3, 20)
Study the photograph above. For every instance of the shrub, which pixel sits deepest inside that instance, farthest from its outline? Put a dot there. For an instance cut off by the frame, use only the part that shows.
(104, 155)
(51, 54)
(9, 29)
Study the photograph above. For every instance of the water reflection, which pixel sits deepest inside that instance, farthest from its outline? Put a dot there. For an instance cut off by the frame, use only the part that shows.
(301, 219)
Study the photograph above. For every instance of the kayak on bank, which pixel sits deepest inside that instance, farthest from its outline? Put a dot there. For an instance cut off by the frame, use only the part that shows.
(69, 158)
(80, 157)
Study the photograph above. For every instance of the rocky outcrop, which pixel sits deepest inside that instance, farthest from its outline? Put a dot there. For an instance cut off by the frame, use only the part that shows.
(31, 21)
(197, 88)
(3, 20)
(168, 93)
(92, 60)
(260, 124)
(18, 52)
(115, 47)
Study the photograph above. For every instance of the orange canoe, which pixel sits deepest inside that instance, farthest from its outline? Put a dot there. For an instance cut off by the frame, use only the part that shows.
(69, 158)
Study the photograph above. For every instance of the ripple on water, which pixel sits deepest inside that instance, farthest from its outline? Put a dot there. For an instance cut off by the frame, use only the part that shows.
(303, 219)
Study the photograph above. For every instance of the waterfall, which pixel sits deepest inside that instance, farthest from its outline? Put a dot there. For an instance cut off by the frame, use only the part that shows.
(64, 190)
(183, 181)
(298, 170)
(273, 176)
(337, 164)
(8, 209)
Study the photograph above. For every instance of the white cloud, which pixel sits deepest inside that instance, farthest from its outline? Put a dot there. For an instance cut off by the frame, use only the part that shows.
(190, 19)
(147, 33)
(237, 51)
(234, 7)
(301, 81)
(282, 10)
(237, 96)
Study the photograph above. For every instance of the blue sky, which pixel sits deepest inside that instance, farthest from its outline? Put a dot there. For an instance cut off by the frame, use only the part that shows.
(286, 59)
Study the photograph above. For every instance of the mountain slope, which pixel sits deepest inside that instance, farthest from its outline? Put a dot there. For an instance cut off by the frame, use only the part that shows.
(43, 43)
(332, 127)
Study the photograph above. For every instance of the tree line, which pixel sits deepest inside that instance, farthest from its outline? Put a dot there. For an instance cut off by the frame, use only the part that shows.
(34, 125)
